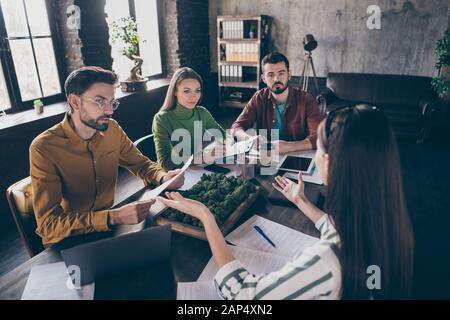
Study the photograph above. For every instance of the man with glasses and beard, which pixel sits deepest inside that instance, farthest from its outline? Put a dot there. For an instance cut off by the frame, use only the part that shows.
(73, 165)
(293, 112)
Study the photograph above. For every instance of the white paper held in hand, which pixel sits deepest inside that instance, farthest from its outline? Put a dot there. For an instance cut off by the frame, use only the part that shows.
(156, 208)
(152, 194)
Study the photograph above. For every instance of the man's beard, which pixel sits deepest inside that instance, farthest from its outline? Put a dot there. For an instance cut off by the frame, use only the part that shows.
(95, 125)
(280, 90)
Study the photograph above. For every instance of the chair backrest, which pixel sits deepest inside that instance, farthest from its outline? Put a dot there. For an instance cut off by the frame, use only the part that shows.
(147, 146)
(19, 197)
(380, 89)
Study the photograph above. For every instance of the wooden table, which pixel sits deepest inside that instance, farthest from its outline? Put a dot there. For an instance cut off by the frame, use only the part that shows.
(188, 255)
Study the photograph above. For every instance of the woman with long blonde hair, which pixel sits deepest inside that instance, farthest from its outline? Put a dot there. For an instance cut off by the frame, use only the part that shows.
(181, 110)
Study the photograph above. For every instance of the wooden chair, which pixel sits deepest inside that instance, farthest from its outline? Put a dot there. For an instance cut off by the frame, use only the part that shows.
(19, 196)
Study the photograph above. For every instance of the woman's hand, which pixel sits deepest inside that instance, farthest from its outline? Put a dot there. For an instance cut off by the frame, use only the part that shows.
(222, 254)
(191, 207)
(294, 192)
(178, 182)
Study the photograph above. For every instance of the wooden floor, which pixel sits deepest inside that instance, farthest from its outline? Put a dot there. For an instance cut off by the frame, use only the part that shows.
(426, 173)
(12, 251)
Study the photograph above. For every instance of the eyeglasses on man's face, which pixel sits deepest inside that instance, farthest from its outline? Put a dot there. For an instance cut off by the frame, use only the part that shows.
(102, 102)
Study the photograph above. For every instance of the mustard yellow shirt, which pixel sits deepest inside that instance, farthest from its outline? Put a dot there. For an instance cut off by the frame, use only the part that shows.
(73, 180)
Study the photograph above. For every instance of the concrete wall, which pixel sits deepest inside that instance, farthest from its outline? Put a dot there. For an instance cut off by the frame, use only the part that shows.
(404, 45)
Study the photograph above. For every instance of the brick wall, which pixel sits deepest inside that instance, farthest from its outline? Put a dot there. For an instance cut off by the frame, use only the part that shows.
(185, 40)
(170, 47)
(194, 35)
(88, 45)
(69, 37)
(94, 34)
(186, 35)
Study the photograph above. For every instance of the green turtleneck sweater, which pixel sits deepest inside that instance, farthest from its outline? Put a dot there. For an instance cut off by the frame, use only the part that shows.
(165, 122)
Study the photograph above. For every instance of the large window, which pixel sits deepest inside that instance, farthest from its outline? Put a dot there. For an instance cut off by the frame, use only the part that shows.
(29, 68)
(145, 13)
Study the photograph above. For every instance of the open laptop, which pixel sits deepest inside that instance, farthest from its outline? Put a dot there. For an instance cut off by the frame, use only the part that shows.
(111, 256)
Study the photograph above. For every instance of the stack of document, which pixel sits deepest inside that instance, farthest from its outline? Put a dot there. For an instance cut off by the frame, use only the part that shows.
(253, 251)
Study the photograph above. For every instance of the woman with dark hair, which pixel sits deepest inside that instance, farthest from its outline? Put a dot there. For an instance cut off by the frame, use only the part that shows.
(181, 111)
(366, 223)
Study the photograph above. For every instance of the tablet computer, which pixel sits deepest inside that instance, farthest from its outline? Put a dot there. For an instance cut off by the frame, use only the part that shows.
(296, 164)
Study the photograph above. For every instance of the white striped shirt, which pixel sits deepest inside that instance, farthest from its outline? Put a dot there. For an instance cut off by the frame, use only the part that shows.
(315, 274)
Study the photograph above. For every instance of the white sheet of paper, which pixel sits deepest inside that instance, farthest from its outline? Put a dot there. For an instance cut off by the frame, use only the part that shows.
(289, 242)
(156, 208)
(204, 290)
(313, 177)
(49, 282)
(239, 147)
(192, 176)
(152, 194)
(256, 262)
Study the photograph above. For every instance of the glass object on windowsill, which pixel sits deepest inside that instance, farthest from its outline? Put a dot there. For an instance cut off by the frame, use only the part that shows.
(38, 106)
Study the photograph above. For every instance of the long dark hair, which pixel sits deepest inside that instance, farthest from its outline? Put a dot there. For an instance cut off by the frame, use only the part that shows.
(366, 203)
(179, 75)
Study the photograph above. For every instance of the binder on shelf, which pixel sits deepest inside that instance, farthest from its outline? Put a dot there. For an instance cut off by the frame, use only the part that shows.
(238, 56)
(224, 27)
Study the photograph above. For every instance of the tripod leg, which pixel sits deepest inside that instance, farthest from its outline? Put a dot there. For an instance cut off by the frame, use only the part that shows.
(314, 73)
(303, 74)
(306, 78)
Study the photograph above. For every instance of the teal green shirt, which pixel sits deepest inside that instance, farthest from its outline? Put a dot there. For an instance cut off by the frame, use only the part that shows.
(279, 109)
(165, 122)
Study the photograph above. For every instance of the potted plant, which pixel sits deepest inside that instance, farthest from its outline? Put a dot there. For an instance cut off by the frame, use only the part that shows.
(441, 83)
(38, 106)
(125, 30)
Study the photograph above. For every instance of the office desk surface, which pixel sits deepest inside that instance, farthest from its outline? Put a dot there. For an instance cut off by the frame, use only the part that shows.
(188, 256)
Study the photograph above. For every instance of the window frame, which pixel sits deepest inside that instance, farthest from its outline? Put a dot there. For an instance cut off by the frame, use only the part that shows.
(9, 71)
(159, 12)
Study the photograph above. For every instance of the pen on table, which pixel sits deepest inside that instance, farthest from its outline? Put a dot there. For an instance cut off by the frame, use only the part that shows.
(259, 230)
